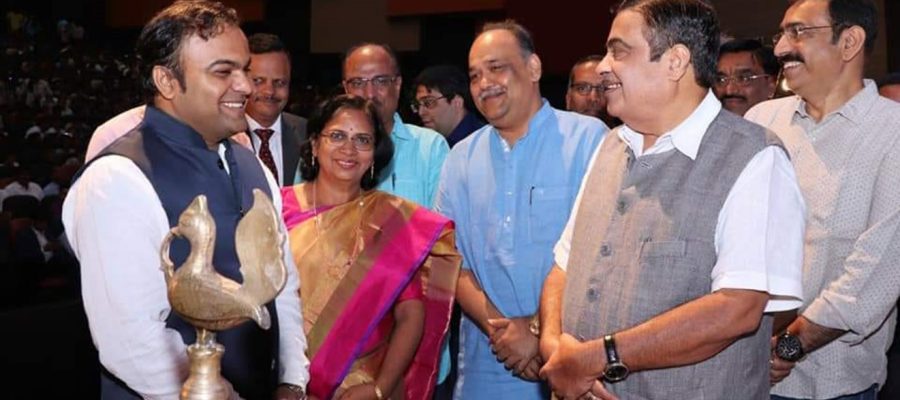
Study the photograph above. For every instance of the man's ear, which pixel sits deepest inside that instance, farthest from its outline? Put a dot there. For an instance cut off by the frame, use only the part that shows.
(458, 102)
(852, 42)
(678, 61)
(534, 67)
(166, 83)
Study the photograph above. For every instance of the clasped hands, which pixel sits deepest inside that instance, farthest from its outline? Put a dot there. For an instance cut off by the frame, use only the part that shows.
(515, 346)
(572, 368)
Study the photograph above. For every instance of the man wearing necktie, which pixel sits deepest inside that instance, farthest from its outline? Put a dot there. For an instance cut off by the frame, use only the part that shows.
(275, 135)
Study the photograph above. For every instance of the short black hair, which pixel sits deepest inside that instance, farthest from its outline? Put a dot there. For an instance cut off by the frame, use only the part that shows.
(847, 13)
(449, 80)
(261, 43)
(892, 78)
(692, 23)
(161, 39)
(523, 37)
(384, 147)
(583, 60)
(763, 55)
(387, 49)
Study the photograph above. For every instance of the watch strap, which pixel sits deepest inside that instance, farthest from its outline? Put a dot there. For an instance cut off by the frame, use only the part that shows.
(612, 355)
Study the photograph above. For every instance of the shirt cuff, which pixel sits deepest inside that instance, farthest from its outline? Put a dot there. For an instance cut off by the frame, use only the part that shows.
(820, 312)
(561, 255)
(784, 294)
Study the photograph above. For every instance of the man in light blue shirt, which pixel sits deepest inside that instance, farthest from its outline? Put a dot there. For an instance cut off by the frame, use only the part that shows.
(372, 71)
(509, 187)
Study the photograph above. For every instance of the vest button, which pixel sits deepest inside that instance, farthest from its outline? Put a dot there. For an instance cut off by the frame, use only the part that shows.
(592, 295)
(605, 250)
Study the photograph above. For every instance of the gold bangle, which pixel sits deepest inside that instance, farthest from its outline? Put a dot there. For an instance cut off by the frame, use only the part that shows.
(378, 394)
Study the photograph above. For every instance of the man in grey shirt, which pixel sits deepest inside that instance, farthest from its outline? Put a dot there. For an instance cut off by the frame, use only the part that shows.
(843, 141)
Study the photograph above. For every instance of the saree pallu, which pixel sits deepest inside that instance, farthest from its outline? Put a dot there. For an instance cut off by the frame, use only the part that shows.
(356, 260)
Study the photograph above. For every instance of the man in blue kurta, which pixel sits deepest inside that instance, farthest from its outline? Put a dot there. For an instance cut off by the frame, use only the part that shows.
(509, 187)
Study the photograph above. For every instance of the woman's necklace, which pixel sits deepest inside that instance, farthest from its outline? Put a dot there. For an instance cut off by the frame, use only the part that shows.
(356, 246)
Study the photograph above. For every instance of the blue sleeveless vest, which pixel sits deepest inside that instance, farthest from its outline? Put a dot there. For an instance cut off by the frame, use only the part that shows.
(180, 166)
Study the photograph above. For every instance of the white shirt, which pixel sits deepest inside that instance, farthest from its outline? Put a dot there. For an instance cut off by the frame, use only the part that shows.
(762, 212)
(115, 224)
(275, 145)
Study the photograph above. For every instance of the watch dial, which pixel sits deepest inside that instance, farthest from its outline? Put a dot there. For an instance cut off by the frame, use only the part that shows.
(789, 348)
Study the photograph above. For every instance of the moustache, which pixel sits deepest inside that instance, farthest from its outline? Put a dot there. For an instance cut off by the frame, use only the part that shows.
(491, 91)
(733, 96)
(791, 57)
(268, 99)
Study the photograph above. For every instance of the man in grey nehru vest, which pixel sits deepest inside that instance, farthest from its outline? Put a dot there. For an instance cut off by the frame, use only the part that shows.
(687, 229)
(843, 141)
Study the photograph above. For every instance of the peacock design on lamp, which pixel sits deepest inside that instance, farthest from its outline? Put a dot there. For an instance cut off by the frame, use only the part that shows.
(211, 302)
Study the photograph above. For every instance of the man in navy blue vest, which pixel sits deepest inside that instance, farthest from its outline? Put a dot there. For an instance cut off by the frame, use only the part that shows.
(125, 201)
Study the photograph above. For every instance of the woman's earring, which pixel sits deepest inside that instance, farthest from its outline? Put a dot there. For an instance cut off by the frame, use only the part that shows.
(314, 161)
(372, 172)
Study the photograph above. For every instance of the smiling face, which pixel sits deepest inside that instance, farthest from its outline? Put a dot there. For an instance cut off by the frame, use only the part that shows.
(216, 84)
(633, 85)
(503, 81)
(812, 62)
(271, 77)
(344, 162)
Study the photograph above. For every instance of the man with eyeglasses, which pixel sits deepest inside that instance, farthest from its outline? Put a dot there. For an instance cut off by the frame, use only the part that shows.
(372, 71)
(843, 142)
(745, 74)
(443, 102)
(584, 94)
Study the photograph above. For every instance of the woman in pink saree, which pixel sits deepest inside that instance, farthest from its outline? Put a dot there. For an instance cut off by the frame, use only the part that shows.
(378, 273)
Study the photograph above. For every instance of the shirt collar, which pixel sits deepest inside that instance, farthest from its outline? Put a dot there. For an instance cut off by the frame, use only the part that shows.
(685, 137)
(536, 120)
(253, 125)
(171, 129)
(855, 108)
(400, 130)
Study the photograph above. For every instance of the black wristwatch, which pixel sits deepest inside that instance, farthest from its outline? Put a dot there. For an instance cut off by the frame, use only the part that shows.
(616, 371)
(788, 347)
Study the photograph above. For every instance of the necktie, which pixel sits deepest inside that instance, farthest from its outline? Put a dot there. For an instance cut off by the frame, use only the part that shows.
(265, 154)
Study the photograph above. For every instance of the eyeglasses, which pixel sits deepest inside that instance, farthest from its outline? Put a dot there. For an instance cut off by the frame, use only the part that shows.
(428, 102)
(361, 142)
(379, 82)
(795, 32)
(585, 89)
(740, 80)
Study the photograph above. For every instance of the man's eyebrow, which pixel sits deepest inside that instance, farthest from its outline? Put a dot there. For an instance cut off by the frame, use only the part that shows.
(617, 42)
(229, 63)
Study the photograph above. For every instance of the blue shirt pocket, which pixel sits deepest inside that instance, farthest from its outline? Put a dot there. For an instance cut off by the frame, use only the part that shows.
(549, 208)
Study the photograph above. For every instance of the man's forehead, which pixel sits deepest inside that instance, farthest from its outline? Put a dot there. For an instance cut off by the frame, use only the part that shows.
(229, 46)
(586, 72)
(494, 45)
(425, 91)
(369, 59)
(740, 61)
(805, 12)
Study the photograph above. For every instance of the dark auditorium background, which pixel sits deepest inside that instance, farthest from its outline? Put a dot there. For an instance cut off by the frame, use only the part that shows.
(82, 50)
